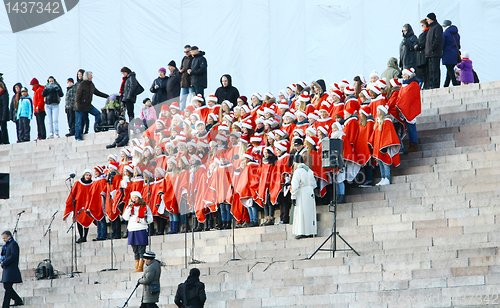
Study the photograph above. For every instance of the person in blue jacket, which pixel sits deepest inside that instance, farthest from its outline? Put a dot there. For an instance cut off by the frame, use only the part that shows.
(11, 273)
(451, 46)
(24, 115)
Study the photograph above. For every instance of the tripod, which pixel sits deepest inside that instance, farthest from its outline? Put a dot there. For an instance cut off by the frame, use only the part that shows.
(193, 217)
(111, 237)
(74, 258)
(334, 233)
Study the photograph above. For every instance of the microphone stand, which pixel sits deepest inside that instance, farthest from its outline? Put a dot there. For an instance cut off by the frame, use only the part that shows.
(149, 204)
(72, 227)
(193, 260)
(111, 237)
(233, 219)
(17, 222)
(49, 231)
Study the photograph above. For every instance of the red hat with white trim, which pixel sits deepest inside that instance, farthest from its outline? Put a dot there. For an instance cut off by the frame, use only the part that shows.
(323, 130)
(382, 108)
(335, 86)
(394, 82)
(258, 95)
(337, 93)
(269, 94)
(280, 146)
(113, 165)
(340, 114)
(136, 194)
(245, 108)
(228, 103)
(408, 72)
(255, 139)
(381, 83)
(375, 90)
(292, 87)
(344, 83)
(198, 98)
(247, 124)
(289, 114)
(311, 130)
(350, 110)
(323, 107)
(302, 84)
(311, 140)
(129, 169)
(174, 105)
(348, 90)
(212, 98)
(304, 97)
(299, 131)
(99, 169)
(113, 157)
(313, 116)
(126, 152)
(365, 93)
(365, 110)
(283, 105)
(300, 113)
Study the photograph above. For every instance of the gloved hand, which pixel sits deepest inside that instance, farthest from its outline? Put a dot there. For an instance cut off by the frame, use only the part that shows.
(294, 202)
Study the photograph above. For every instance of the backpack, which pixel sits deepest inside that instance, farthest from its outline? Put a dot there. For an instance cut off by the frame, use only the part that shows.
(44, 270)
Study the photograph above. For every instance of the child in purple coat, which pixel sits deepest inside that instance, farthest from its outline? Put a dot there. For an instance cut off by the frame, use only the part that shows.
(466, 74)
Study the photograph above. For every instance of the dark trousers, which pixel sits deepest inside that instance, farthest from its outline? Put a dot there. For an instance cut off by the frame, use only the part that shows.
(130, 109)
(102, 229)
(40, 124)
(121, 140)
(199, 90)
(139, 251)
(83, 231)
(434, 72)
(116, 228)
(17, 130)
(285, 204)
(10, 294)
(150, 305)
(86, 123)
(24, 129)
(70, 115)
(4, 134)
(450, 76)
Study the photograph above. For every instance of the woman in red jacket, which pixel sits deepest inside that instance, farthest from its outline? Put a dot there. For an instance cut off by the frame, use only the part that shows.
(80, 196)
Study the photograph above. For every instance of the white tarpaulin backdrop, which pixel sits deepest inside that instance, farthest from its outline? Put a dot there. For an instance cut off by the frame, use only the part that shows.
(264, 44)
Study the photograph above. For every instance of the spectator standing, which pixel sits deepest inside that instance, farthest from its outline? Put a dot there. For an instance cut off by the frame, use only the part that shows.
(466, 70)
(174, 82)
(159, 88)
(11, 273)
(227, 92)
(392, 70)
(39, 108)
(52, 93)
(129, 90)
(4, 114)
(148, 113)
(185, 77)
(14, 104)
(79, 78)
(433, 50)
(69, 107)
(451, 52)
(198, 71)
(83, 103)
(407, 53)
(24, 113)
(421, 68)
(191, 293)
(151, 281)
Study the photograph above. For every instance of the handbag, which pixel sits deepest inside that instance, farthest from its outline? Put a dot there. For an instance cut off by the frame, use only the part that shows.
(154, 288)
(459, 53)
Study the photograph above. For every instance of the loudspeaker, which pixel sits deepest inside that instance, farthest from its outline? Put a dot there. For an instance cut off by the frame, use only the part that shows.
(331, 153)
(4, 186)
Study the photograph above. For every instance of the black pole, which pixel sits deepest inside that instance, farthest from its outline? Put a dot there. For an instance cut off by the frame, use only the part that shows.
(17, 223)
(49, 231)
(193, 260)
(233, 219)
(111, 237)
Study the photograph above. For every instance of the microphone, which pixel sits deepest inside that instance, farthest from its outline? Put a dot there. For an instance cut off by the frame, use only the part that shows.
(236, 157)
(71, 176)
(55, 213)
(22, 212)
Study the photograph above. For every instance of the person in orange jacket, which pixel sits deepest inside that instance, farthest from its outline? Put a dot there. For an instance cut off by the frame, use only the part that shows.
(39, 108)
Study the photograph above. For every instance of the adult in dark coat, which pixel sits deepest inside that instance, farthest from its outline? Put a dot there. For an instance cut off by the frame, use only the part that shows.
(14, 103)
(150, 277)
(128, 91)
(186, 78)
(407, 53)
(11, 273)
(159, 88)
(191, 293)
(4, 114)
(174, 82)
(83, 103)
(433, 50)
(451, 46)
(198, 71)
(421, 69)
(227, 91)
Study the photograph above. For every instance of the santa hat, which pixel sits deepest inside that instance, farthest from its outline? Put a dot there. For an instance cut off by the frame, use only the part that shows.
(169, 144)
(374, 73)
(139, 171)
(184, 160)
(235, 134)
(313, 116)
(323, 130)
(212, 98)
(375, 90)
(161, 171)
(270, 135)
(327, 104)
(269, 94)
(283, 105)
(136, 194)
(198, 98)
(228, 118)
(348, 90)
(408, 72)
(304, 97)
(310, 140)
(300, 113)
(311, 130)
(289, 114)
(165, 107)
(248, 155)
(350, 110)
(245, 108)
(394, 82)
(175, 105)
(129, 169)
(323, 108)
(258, 95)
(382, 108)
(247, 124)
(151, 150)
(213, 116)
(199, 123)
(195, 157)
(299, 131)
(268, 110)
(202, 144)
(190, 108)
(337, 125)
(237, 124)
(259, 120)
(223, 128)
(172, 161)
(381, 83)
(221, 138)
(344, 83)
(228, 103)
(302, 84)
(99, 169)
(113, 165)
(280, 132)
(113, 157)
(340, 114)
(126, 152)
(365, 93)
(280, 146)
(365, 110)
(334, 86)
(292, 87)
(161, 122)
(337, 93)
(138, 149)
(255, 139)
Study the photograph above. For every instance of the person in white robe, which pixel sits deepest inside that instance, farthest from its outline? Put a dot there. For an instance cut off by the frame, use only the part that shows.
(302, 194)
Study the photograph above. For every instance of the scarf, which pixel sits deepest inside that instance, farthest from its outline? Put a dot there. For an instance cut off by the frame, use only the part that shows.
(123, 85)
(141, 211)
(4, 249)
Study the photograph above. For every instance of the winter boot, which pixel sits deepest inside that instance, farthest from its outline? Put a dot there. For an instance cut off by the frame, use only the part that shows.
(140, 267)
(110, 146)
(340, 199)
(136, 265)
(413, 148)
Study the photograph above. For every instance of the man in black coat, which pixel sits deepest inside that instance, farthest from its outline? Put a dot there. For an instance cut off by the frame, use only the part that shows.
(129, 91)
(198, 71)
(4, 114)
(191, 293)
(407, 53)
(11, 273)
(434, 50)
(174, 82)
(227, 91)
(185, 77)
(421, 69)
(159, 88)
